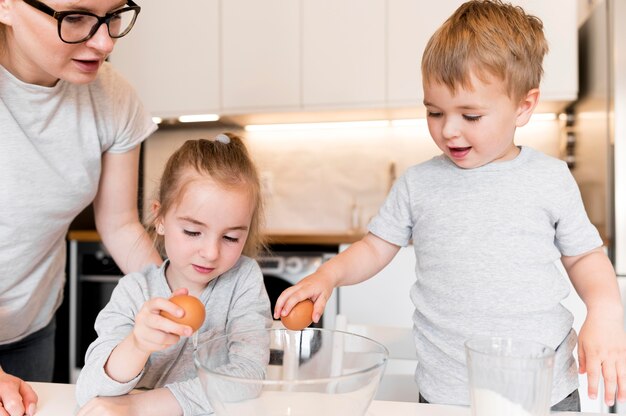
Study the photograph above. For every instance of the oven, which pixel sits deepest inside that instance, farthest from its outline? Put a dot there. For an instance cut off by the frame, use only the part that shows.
(93, 275)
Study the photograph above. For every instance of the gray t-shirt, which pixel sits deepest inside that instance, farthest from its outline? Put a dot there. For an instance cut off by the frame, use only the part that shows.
(486, 243)
(235, 301)
(52, 142)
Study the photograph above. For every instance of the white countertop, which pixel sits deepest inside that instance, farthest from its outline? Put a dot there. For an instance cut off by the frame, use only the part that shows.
(58, 400)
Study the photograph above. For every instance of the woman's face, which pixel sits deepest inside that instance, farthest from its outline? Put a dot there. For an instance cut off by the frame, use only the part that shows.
(35, 54)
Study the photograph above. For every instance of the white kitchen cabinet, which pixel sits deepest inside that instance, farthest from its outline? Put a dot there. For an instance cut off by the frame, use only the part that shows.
(343, 53)
(171, 57)
(245, 56)
(560, 24)
(411, 24)
(260, 55)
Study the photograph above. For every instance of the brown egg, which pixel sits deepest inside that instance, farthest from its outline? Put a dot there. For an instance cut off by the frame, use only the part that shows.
(300, 316)
(194, 311)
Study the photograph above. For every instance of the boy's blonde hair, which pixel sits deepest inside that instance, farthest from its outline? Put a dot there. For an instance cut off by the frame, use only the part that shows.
(228, 164)
(487, 37)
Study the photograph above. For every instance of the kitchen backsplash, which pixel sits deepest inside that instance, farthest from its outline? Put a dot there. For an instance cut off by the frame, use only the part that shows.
(331, 180)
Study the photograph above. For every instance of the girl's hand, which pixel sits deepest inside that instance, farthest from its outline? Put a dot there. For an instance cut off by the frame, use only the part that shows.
(318, 287)
(602, 352)
(153, 332)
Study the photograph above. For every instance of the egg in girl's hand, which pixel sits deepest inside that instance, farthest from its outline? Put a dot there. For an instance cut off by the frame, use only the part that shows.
(300, 316)
(194, 311)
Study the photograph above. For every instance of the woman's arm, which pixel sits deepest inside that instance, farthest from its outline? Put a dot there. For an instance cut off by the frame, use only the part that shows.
(117, 216)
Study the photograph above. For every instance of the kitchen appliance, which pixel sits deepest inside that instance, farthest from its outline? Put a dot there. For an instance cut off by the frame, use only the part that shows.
(93, 275)
(597, 124)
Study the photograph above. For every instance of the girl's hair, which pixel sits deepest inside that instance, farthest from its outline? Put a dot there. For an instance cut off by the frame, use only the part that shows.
(487, 37)
(225, 160)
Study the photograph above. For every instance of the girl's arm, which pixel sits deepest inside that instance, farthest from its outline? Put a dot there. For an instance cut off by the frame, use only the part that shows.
(117, 216)
(157, 402)
(602, 341)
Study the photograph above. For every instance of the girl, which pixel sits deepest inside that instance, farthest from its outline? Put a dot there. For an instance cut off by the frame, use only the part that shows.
(207, 215)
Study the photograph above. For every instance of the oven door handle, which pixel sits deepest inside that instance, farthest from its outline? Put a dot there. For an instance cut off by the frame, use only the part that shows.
(100, 278)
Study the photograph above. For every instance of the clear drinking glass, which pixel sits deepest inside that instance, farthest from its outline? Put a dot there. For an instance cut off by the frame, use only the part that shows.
(278, 372)
(509, 377)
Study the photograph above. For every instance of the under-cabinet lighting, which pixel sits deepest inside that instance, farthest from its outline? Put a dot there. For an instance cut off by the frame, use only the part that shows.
(157, 120)
(316, 126)
(195, 118)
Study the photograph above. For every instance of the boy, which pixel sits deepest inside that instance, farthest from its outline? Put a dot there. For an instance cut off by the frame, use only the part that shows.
(488, 220)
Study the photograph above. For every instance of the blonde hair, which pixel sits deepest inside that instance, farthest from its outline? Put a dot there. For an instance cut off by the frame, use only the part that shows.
(487, 37)
(228, 163)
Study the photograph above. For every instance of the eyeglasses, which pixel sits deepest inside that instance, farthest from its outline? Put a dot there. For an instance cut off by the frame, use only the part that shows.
(78, 26)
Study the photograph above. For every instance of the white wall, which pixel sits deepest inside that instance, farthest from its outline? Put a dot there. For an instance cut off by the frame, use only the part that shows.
(317, 175)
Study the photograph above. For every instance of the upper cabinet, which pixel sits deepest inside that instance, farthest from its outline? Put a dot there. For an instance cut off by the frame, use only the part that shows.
(171, 57)
(260, 55)
(343, 53)
(560, 24)
(249, 56)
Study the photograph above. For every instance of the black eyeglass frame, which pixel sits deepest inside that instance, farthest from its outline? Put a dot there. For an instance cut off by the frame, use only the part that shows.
(59, 16)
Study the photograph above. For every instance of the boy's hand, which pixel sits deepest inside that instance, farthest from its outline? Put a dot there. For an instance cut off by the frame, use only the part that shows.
(318, 287)
(153, 332)
(602, 352)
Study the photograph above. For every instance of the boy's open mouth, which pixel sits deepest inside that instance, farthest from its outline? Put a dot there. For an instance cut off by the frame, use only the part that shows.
(459, 152)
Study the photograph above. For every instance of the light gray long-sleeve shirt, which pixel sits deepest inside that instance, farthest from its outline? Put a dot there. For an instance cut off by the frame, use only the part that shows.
(234, 301)
(486, 243)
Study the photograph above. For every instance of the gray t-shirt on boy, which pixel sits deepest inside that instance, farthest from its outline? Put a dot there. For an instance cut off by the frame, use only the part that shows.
(486, 243)
(235, 301)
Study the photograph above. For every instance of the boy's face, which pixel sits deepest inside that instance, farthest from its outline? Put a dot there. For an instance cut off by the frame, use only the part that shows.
(475, 127)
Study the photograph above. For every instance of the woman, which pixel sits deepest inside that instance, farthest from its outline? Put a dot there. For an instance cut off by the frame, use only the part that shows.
(70, 131)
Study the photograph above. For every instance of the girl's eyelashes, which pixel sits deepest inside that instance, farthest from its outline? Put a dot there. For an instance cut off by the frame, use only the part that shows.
(191, 233)
(231, 239)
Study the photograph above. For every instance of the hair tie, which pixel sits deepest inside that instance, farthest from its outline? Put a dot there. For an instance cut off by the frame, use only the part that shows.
(222, 138)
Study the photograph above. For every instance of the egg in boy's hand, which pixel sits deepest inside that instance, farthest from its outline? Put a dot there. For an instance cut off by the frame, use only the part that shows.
(300, 316)
(194, 311)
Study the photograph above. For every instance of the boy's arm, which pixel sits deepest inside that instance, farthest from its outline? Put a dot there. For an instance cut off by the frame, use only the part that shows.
(602, 341)
(358, 263)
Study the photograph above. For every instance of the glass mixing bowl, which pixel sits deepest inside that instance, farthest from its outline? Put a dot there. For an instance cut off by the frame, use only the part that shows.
(278, 372)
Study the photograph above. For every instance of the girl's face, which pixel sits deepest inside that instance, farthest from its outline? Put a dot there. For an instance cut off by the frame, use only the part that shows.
(205, 232)
(475, 127)
(35, 54)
